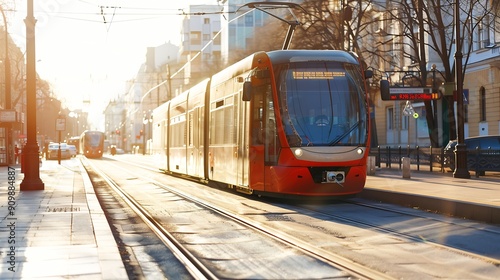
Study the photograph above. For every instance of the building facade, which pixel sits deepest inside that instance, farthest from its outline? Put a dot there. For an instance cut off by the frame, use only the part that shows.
(201, 43)
(481, 63)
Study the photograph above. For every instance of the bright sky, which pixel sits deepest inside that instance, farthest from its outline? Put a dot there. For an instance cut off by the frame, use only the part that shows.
(87, 52)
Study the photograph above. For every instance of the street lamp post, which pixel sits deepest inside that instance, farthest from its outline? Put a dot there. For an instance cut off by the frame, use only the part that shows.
(144, 122)
(31, 181)
(76, 122)
(460, 149)
(8, 98)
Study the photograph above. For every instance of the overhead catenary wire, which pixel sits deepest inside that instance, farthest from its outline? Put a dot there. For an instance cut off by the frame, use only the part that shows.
(109, 14)
(187, 63)
(201, 51)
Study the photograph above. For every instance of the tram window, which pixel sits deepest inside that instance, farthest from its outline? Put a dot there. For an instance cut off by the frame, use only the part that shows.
(190, 132)
(235, 118)
(272, 144)
(178, 135)
(257, 114)
(247, 91)
(229, 133)
(217, 133)
(219, 103)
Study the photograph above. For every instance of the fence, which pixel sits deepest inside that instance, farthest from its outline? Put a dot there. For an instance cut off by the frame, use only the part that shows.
(431, 158)
(437, 159)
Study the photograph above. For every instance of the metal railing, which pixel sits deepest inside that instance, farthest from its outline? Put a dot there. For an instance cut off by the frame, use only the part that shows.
(430, 158)
(436, 159)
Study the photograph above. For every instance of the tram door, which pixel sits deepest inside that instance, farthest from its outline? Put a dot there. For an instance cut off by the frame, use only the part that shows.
(271, 142)
(256, 151)
(243, 135)
(195, 143)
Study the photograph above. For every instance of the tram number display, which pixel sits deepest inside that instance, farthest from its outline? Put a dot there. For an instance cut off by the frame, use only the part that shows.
(411, 93)
(319, 75)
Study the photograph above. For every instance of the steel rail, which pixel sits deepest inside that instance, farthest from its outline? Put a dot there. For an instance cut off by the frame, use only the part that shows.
(355, 269)
(192, 264)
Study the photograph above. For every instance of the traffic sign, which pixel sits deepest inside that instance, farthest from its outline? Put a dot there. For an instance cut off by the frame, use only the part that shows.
(60, 124)
(411, 93)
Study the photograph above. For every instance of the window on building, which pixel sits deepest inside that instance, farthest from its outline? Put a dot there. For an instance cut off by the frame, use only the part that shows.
(405, 120)
(216, 37)
(206, 37)
(216, 56)
(483, 32)
(206, 21)
(390, 118)
(195, 38)
(249, 19)
(482, 104)
(258, 19)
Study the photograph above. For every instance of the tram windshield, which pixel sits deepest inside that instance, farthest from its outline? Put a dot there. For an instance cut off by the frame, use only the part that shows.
(322, 104)
(93, 139)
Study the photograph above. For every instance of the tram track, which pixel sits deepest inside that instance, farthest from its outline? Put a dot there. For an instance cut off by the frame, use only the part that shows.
(192, 264)
(410, 235)
(346, 268)
(348, 231)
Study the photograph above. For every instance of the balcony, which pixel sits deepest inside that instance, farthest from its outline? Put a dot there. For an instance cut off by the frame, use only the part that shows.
(490, 55)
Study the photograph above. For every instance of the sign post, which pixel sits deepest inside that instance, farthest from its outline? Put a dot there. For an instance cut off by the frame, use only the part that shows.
(60, 126)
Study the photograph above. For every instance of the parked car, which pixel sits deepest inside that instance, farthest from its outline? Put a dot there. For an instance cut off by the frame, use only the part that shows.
(53, 151)
(486, 147)
(72, 150)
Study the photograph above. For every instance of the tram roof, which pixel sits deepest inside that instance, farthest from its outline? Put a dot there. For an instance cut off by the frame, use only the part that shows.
(285, 56)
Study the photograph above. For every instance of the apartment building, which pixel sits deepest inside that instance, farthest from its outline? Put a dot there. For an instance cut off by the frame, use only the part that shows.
(201, 43)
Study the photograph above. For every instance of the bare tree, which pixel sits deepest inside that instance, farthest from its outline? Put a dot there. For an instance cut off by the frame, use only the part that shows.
(427, 27)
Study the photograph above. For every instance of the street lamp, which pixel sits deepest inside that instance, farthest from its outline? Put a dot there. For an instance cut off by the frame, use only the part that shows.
(31, 180)
(76, 122)
(144, 122)
(8, 99)
(460, 149)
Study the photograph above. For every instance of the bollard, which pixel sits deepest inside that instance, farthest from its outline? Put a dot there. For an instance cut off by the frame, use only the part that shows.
(22, 161)
(371, 165)
(406, 168)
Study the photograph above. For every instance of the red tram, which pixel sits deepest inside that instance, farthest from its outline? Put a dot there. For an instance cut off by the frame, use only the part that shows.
(280, 123)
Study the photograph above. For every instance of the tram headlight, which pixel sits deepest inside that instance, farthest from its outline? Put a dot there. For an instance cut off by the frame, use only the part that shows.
(360, 151)
(298, 152)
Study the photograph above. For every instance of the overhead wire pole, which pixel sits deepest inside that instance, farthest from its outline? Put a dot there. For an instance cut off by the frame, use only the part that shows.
(461, 170)
(31, 180)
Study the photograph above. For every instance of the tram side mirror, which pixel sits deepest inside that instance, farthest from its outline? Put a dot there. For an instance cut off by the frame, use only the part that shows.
(262, 73)
(368, 74)
(247, 91)
(384, 90)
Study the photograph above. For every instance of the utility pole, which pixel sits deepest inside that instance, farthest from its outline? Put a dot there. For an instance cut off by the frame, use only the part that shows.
(461, 170)
(31, 181)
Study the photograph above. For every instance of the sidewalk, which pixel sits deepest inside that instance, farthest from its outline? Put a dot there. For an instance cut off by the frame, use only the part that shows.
(474, 198)
(59, 232)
